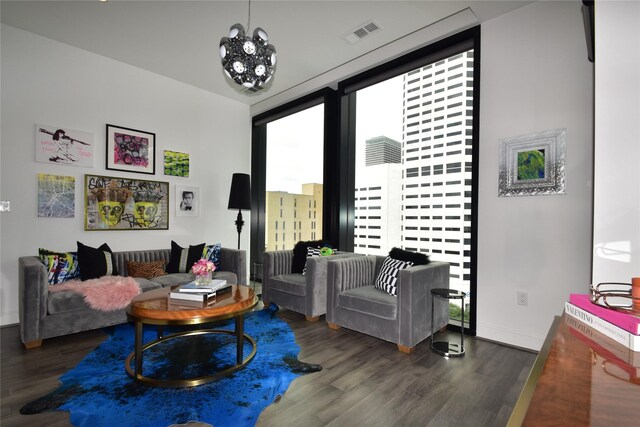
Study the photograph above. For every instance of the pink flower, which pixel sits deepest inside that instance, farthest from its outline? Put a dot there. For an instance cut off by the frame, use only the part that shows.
(203, 266)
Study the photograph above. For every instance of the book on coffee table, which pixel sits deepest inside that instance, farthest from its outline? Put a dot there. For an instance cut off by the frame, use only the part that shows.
(214, 285)
(191, 296)
(180, 304)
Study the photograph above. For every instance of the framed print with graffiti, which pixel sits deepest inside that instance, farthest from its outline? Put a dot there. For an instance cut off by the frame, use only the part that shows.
(112, 203)
(63, 146)
(131, 150)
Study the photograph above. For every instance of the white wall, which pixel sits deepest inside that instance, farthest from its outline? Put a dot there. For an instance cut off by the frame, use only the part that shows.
(47, 82)
(616, 256)
(535, 76)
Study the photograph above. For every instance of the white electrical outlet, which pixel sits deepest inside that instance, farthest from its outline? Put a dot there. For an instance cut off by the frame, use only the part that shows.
(523, 298)
(5, 206)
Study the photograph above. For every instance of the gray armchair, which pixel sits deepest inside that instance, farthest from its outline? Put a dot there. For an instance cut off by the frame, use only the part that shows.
(354, 303)
(305, 294)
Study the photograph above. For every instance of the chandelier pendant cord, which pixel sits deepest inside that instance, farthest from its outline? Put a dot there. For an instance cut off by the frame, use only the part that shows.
(249, 17)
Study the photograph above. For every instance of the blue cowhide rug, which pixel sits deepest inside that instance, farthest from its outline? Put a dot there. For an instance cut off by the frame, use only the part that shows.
(98, 392)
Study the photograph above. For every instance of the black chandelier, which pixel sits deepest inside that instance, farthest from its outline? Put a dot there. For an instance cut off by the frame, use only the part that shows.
(247, 61)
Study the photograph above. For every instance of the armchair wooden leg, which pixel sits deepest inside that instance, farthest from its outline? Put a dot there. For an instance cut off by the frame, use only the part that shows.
(32, 344)
(266, 303)
(333, 326)
(312, 318)
(405, 349)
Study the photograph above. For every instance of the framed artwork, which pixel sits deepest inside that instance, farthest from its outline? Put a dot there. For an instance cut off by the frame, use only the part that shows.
(532, 165)
(187, 201)
(131, 150)
(56, 196)
(63, 146)
(176, 164)
(112, 203)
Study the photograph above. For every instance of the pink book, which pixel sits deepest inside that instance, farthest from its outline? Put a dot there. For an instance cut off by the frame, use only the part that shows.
(627, 321)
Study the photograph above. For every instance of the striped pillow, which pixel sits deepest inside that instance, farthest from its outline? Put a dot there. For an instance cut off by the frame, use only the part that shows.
(310, 252)
(388, 276)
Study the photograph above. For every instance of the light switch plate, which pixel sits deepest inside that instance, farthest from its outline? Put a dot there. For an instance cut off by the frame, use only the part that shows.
(5, 206)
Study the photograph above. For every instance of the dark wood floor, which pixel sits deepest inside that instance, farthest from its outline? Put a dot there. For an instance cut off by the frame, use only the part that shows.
(364, 381)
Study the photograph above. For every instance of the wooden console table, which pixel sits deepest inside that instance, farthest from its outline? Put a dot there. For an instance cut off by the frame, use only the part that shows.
(580, 378)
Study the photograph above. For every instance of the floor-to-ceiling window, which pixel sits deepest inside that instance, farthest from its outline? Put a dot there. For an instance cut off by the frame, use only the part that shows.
(401, 141)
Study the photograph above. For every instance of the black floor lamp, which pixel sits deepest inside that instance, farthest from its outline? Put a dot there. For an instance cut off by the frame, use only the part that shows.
(240, 198)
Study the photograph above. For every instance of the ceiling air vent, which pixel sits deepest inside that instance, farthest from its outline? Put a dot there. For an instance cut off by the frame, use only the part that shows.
(361, 31)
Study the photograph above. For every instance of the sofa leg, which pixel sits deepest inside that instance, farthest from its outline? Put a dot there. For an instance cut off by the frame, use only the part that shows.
(405, 349)
(266, 303)
(32, 344)
(312, 319)
(333, 326)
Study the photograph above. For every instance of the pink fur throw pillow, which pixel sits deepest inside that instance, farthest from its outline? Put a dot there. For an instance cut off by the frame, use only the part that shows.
(107, 293)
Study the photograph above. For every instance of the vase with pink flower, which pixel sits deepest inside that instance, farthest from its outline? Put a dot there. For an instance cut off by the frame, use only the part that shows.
(203, 269)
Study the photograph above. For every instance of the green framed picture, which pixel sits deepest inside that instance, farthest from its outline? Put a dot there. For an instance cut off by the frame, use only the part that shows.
(532, 165)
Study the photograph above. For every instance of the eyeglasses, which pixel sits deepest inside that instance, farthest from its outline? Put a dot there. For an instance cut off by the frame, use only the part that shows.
(612, 295)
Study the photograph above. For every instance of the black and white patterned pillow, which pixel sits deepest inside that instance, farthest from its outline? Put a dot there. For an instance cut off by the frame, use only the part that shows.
(388, 276)
(310, 252)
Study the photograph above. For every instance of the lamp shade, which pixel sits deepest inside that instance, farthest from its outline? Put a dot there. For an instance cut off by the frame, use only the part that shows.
(240, 194)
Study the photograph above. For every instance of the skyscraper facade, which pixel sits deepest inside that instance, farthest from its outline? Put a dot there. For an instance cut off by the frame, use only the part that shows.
(437, 160)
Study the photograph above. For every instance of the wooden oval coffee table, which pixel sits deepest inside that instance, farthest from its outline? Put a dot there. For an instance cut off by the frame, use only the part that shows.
(155, 308)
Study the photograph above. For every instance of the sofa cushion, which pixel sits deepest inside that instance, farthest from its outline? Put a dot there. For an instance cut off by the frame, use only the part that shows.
(182, 259)
(388, 275)
(294, 284)
(147, 270)
(212, 253)
(146, 284)
(369, 300)
(65, 301)
(229, 276)
(174, 279)
(61, 266)
(96, 262)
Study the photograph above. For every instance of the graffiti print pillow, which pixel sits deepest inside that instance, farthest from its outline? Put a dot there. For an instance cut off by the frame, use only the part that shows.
(61, 266)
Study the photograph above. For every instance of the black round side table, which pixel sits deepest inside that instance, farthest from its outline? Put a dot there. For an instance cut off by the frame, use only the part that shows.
(446, 348)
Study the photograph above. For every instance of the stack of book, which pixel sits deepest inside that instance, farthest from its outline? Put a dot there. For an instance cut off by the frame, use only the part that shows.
(199, 293)
(615, 324)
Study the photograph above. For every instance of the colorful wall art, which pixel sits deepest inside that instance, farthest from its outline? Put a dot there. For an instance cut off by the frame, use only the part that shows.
(125, 204)
(56, 196)
(130, 150)
(176, 164)
(63, 146)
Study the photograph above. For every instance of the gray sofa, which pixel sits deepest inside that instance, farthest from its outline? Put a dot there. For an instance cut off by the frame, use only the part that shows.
(305, 294)
(354, 303)
(46, 315)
